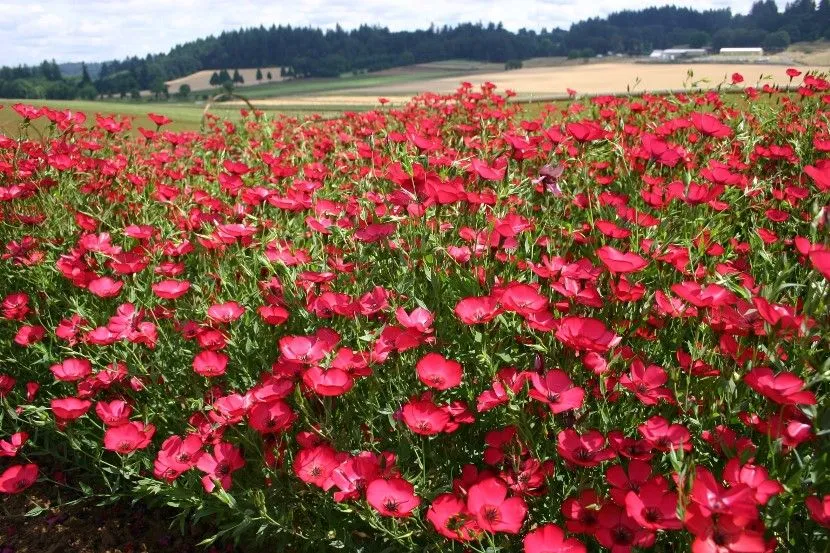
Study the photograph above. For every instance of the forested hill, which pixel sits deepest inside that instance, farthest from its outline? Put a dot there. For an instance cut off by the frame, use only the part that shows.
(313, 52)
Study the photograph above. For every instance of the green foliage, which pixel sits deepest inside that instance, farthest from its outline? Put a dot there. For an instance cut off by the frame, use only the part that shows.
(184, 91)
(777, 41)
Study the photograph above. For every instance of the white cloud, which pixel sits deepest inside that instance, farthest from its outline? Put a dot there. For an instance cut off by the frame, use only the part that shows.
(98, 30)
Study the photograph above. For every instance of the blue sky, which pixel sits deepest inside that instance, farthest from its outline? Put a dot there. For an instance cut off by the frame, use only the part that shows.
(98, 30)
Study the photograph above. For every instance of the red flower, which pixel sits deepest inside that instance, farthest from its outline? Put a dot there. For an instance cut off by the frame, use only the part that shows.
(328, 382)
(820, 173)
(550, 538)
(485, 171)
(477, 310)
(653, 506)
(352, 475)
(710, 125)
(159, 120)
(557, 391)
(315, 465)
(210, 363)
(737, 502)
(619, 532)
(619, 262)
(15, 307)
(28, 335)
(105, 287)
(586, 450)
(394, 497)
(487, 501)
(69, 408)
(624, 480)
(819, 509)
(660, 151)
(113, 413)
(664, 436)
(225, 312)
(309, 349)
(438, 372)
(784, 388)
(420, 319)
(721, 534)
(272, 416)
(220, 465)
(449, 516)
(582, 512)
(17, 478)
(737, 78)
(424, 417)
(128, 437)
(177, 456)
(71, 370)
(523, 299)
(171, 289)
(10, 447)
(647, 383)
(754, 476)
(273, 314)
(586, 334)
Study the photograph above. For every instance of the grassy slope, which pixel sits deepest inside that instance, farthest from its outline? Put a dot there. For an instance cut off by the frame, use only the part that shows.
(341, 85)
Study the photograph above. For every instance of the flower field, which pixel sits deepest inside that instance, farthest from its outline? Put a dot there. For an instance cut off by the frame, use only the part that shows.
(445, 327)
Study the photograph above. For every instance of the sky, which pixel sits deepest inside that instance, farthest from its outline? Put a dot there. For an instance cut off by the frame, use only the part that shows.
(100, 30)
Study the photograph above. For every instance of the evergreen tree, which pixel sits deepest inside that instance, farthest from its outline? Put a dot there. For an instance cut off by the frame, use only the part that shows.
(258, 74)
(237, 78)
(85, 80)
(214, 79)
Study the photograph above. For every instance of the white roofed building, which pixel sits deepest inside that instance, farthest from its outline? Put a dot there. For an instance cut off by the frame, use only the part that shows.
(742, 51)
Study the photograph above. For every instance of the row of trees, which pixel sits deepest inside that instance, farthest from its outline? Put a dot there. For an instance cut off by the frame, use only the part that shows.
(309, 52)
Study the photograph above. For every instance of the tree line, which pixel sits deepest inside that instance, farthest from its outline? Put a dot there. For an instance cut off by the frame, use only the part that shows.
(309, 52)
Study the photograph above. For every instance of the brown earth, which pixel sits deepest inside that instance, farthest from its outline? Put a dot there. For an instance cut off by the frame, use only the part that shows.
(201, 79)
(89, 528)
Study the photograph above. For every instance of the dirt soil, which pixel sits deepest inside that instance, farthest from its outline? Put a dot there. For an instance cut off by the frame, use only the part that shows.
(87, 528)
(201, 79)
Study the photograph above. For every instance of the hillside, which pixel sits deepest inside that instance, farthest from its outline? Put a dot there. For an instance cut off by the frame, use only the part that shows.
(200, 80)
(310, 52)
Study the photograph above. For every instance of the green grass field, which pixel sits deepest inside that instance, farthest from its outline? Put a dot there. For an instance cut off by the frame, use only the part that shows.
(340, 85)
(185, 116)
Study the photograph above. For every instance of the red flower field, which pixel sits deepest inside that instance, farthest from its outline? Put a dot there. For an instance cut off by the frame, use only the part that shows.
(445, 327)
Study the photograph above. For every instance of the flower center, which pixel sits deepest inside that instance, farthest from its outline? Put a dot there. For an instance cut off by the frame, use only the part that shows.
(622, 535)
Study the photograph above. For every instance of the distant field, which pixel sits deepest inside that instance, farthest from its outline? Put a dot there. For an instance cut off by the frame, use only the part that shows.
(544, 79)
(600, 78)
(315, 86)
(200, 81)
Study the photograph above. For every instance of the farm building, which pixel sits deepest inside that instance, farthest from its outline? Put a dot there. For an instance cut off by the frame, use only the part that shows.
(742, 51)
(677, 53)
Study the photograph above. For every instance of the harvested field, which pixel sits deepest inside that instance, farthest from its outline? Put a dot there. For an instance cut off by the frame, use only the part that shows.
(596, 78)
(201, 79)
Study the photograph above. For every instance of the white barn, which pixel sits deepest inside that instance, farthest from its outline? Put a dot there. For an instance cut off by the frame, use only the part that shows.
(742, 51)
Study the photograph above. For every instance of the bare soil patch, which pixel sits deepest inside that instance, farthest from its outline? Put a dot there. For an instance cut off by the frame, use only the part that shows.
(201, 79)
